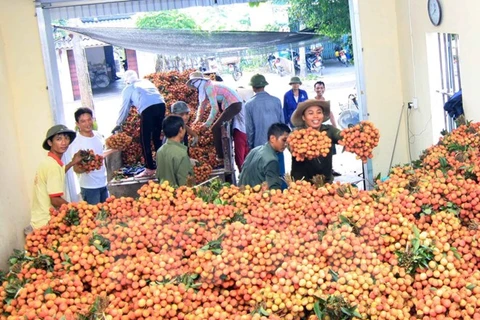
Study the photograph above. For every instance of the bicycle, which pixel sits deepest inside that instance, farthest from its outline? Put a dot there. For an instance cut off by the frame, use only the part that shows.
(98, 76)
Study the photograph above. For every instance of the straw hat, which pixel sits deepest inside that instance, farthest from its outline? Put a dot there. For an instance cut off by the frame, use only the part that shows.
(195, 76)
(296, 118)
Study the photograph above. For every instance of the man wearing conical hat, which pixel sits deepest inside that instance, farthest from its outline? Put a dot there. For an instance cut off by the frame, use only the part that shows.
(312, 114)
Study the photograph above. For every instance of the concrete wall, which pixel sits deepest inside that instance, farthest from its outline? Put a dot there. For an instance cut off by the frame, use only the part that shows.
(146, 63)
(419, 61)
(401, 62)
(383, 79)
(26, 116)
(65, 76)
(95, 55)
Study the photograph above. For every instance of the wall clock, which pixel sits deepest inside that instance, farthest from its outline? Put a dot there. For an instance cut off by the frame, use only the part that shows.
(434, 12)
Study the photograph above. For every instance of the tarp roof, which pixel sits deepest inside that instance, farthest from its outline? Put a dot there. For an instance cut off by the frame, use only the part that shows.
(194, 42)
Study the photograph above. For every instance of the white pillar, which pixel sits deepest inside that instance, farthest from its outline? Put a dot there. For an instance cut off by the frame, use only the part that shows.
(53, 87)
(360, 79)
(302, 62)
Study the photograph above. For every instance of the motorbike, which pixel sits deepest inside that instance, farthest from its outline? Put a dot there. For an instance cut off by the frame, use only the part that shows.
(208, 64)
(233, 64)
(235, 70)
(283, 68)
(290, 55)
(313, 61)
(341, 55)
(271, 62)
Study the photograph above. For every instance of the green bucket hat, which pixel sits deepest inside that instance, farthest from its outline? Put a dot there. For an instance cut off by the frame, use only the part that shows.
(295, 80)
(258, 81)
(58, 129)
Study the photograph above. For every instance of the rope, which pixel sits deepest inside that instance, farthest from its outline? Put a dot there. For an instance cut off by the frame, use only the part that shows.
(396, 137)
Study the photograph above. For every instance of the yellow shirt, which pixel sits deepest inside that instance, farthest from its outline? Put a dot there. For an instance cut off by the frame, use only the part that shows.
(49, 182)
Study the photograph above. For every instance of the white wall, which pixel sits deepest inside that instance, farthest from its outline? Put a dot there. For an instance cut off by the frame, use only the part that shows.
(146, 63)
(95, 55)
(382, 75)
(64, 75)
(400, 63)
(419, 64)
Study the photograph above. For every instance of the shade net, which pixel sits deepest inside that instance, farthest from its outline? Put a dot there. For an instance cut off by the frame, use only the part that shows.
(195, 42)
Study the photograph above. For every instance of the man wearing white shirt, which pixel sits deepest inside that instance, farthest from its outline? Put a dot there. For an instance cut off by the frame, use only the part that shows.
(93, 184)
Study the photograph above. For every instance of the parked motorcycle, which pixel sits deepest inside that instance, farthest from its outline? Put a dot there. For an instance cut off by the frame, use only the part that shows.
(313, 61)
(296, 62)
(233, 64)
(291, 55)
(235, 70)
(283, 66)
(271, 62)
(341, 55)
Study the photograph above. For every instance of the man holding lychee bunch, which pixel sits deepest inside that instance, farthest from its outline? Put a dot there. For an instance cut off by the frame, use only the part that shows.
(93, 184)
(49, 183)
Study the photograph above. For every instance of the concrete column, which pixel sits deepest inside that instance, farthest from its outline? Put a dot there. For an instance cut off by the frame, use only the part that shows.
(54, 89)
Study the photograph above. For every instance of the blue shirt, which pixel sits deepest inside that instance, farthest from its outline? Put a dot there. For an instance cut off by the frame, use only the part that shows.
(141, 94)
(261, 111)
(290, 105)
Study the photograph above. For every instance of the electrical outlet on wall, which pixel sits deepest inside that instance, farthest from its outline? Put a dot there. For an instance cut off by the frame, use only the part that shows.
(415, 103)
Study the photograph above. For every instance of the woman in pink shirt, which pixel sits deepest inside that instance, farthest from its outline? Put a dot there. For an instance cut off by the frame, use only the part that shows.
(223, 100)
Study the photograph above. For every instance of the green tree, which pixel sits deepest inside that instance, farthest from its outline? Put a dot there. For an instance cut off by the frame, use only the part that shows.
(166, 20)
(327, 17)
(59, 34)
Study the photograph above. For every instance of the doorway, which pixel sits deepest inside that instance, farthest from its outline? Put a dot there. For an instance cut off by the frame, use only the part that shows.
(445, 78)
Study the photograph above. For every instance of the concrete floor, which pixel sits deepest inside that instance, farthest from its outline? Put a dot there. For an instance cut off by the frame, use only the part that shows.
(339, 81)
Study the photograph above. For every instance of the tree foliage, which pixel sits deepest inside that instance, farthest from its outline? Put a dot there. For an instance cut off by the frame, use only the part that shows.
(166, 20)
(59, 34)
(327, 17)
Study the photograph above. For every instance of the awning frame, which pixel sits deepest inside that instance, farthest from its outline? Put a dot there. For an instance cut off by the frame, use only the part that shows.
(69, 9)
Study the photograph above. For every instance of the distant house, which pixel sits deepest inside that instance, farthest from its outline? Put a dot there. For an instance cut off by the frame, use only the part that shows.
(104, 62)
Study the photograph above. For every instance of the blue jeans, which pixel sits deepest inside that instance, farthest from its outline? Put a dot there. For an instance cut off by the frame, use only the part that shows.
(94, 196)
(281, 164)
